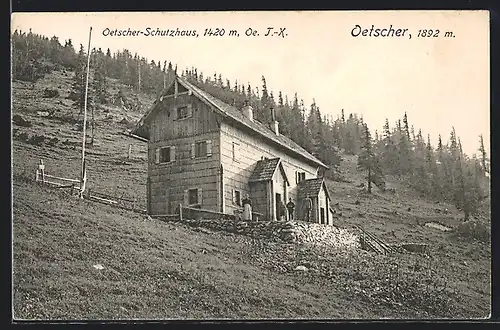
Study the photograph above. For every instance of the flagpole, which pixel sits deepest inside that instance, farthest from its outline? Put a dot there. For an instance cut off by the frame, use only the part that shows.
(83, 172)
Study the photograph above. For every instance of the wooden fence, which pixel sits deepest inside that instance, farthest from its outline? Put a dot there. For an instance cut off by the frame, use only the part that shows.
(119, 202)
(185, 212)
(90, 194)
(56, 181)
(373, 243)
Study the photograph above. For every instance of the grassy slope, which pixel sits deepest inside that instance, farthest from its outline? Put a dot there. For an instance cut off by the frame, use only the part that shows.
(401, 218)
(158, 270)
(152, 269)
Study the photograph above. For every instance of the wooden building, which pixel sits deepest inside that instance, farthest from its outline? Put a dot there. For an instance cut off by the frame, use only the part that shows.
(317, 192)
(205, 153)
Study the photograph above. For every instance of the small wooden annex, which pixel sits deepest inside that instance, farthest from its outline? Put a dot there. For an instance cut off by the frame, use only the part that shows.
(317, 191)
(205, 153)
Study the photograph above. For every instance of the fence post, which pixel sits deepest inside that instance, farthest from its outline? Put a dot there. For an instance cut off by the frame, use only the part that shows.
(180, 212)
(41, 167)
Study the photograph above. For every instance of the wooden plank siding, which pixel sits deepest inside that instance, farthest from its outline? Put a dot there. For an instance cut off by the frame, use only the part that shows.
(165, 125)
(235, 151)
(168, 182)
(251, 149)
(260, 199)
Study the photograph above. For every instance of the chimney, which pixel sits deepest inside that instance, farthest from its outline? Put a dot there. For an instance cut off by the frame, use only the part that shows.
(274, 123)
(247, 110)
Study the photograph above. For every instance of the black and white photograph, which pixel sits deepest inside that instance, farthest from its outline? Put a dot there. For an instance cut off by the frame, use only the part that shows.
(251, 165)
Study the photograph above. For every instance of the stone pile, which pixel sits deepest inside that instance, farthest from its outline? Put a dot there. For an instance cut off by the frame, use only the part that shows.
(289, 232)
(321, 235)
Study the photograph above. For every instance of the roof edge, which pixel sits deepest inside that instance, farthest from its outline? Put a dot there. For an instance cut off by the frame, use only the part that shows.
(141, 123)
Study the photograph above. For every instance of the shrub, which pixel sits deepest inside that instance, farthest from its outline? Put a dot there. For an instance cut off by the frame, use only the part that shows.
(474, 229)
(20, 121)
(50, 93)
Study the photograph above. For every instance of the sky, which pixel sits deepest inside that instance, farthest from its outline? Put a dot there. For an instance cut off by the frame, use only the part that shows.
(439, 81)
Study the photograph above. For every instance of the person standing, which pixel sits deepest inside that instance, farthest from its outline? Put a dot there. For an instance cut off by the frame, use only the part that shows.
(282, 210)
(308, 209)
(290, 206)
(247, 208)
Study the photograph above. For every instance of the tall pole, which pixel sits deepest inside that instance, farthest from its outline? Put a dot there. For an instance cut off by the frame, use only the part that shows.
(83, 174)
(93, 124)
(93, 104)
(139, 74)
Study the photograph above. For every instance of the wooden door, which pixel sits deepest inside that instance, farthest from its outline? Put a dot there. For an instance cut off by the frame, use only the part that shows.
(277, 206)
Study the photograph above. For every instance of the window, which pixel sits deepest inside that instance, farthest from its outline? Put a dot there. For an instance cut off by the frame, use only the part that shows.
(201, 149)
(235, 151)
(184, 112)
(165, 155)
(237, 197)
(300, 176)
(193, 196)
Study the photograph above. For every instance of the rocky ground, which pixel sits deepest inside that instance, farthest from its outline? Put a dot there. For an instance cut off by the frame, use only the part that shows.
(297, 232)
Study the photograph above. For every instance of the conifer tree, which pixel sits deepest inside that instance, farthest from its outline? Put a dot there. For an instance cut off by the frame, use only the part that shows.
(431, 167)
(313, 137)
(404, 148)
(99, 82)
(351, 135)
(368, 161)
(484, 158)
(296, 122)
(420, 175)
(389, 153)
(262, 112)
(69, 55)
(79, 80)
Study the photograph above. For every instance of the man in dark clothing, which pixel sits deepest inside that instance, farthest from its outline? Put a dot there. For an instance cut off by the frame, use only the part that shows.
(290, 206)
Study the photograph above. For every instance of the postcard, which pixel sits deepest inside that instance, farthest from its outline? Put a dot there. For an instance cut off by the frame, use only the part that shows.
(251, 165)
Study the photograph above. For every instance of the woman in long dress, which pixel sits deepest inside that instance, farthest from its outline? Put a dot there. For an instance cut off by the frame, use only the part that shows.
(247, 208)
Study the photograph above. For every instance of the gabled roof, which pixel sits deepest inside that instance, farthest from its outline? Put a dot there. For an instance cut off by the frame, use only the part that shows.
(265, 168)
(229, 112)
(311, 188)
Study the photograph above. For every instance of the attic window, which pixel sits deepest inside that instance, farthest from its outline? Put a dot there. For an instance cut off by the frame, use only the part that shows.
(184, 112)
(300, 176)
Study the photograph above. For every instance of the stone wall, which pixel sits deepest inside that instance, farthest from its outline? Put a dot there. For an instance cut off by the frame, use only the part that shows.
(296, 232)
